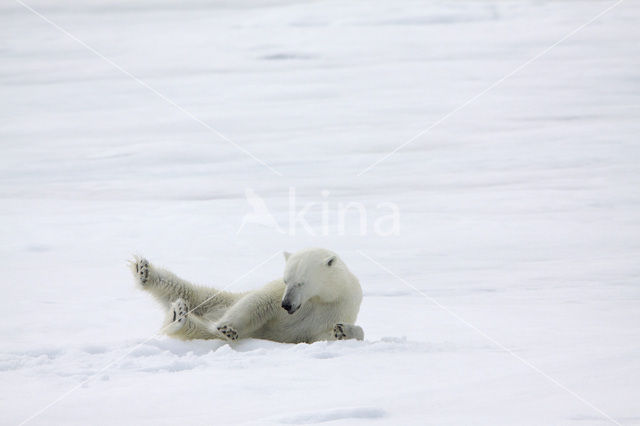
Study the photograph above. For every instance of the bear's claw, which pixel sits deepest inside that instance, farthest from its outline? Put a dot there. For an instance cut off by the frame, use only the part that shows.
(228, 332)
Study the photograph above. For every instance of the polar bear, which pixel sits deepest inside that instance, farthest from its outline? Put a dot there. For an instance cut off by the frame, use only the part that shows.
(318, 299)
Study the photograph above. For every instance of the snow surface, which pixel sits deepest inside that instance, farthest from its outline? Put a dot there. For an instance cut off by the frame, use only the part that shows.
(519, 214)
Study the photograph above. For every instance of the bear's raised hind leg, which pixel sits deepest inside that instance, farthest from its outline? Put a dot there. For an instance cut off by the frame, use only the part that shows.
(164, 285)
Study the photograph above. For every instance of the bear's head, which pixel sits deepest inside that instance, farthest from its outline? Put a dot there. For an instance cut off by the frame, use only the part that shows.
(311, 273)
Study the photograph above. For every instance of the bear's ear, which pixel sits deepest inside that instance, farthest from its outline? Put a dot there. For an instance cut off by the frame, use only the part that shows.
(286, 255)
(330, 260)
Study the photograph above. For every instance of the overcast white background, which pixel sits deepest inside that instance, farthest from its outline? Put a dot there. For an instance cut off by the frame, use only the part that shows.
(519, 213)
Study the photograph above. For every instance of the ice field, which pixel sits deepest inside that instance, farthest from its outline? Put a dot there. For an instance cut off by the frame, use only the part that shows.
(209, 136)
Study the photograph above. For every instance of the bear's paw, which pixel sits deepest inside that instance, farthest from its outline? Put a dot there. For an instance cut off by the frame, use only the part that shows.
(141, 267)
(338, 332)
(228, 332)
(177, 315)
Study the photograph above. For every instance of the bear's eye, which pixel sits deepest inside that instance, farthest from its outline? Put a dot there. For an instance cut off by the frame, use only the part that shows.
(299, 284)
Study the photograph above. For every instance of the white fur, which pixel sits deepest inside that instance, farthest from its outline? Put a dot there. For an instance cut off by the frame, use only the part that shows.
(321, 293)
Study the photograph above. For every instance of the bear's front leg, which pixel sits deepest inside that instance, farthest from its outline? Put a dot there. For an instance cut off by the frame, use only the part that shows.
(247, 315)
(348, 331)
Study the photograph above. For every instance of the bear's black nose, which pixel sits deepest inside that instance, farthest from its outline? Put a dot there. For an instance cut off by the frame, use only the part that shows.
(286, 305)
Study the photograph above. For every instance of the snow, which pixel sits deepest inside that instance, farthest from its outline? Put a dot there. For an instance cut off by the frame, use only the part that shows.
(509, 295)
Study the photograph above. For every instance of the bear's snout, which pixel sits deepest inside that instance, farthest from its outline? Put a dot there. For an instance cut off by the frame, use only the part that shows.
(286, 305)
